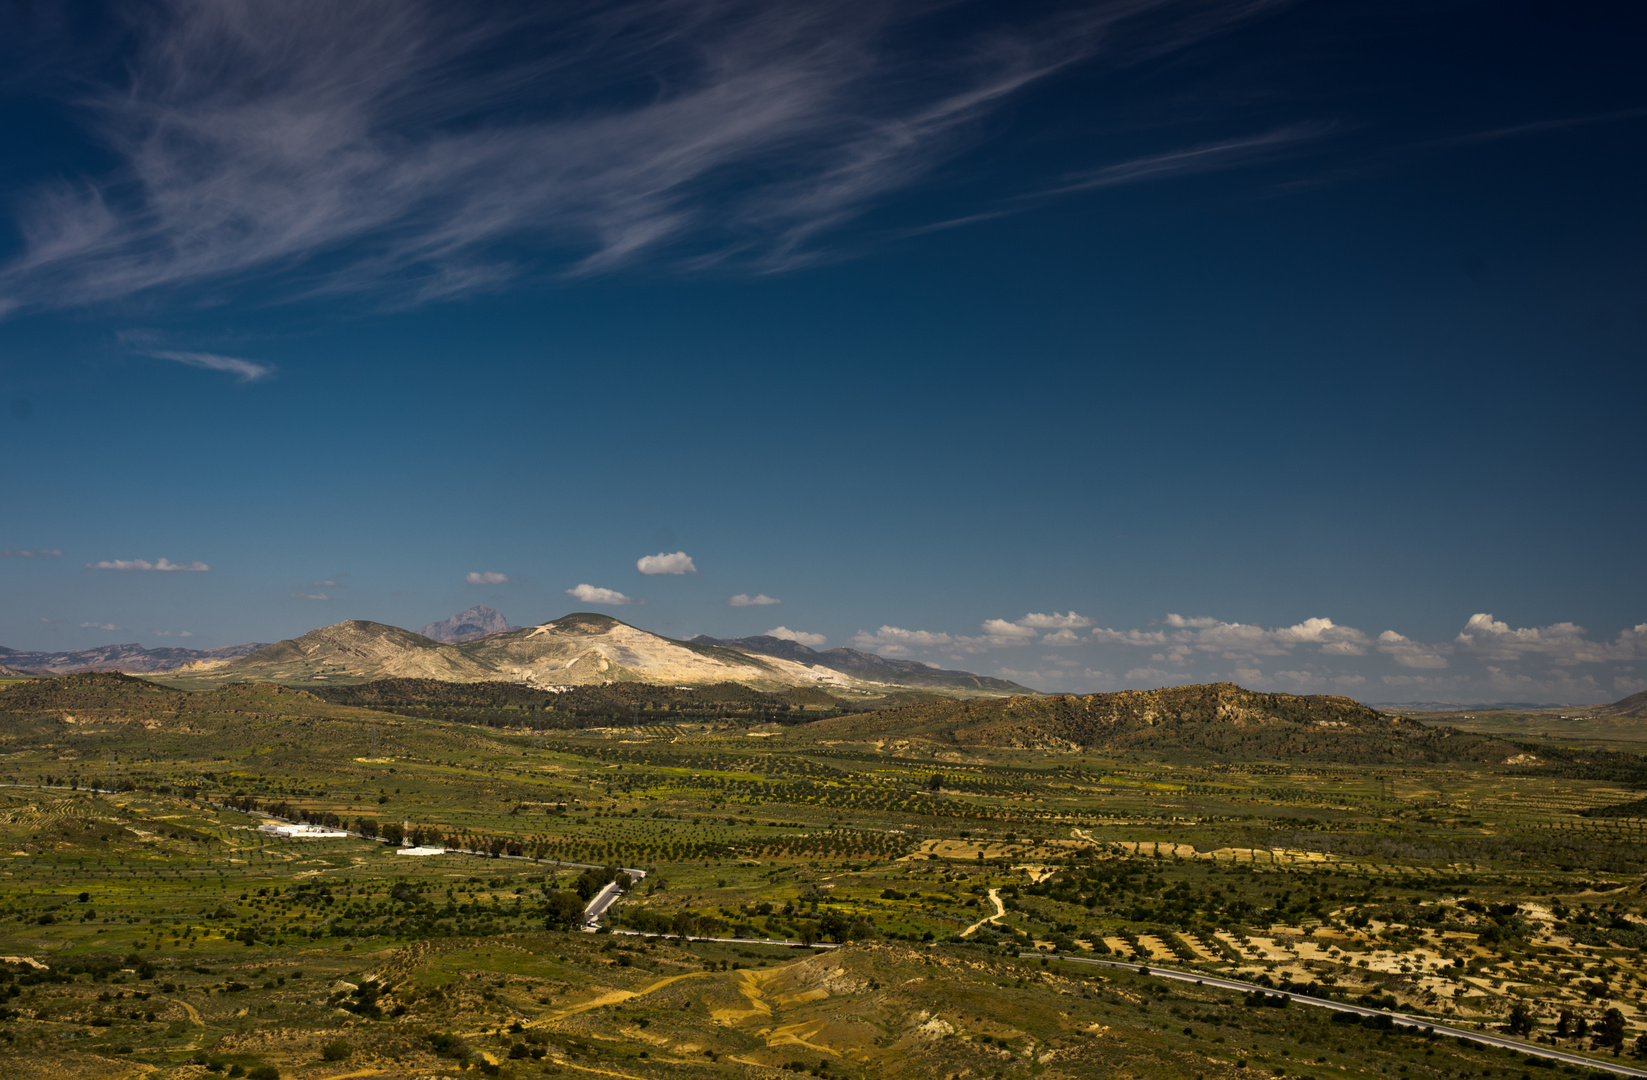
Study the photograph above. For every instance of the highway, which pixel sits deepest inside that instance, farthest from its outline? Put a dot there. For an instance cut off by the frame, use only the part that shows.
(1360, 1010)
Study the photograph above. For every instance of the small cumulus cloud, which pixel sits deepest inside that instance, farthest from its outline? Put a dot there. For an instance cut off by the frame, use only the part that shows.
(144, 564)
(758, 600)
(590, 594)
(800, 637)
(486, 577)
(323, 584)
(677, 563)
(310, 596)
(174, 633)
(1063, 637)
(98, 626)
(31, 553)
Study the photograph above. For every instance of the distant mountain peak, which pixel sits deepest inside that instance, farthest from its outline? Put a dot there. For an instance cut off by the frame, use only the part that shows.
(476, 622)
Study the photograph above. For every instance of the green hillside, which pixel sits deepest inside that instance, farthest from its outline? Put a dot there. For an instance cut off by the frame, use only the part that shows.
(1214, 721)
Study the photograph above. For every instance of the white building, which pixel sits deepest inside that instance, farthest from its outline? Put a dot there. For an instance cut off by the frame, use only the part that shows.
(289, 831)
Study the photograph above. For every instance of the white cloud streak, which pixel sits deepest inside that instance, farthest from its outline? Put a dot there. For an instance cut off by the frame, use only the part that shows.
(677, 563)
(327, 148)
(310, 596)
(164, 565)
(243, 370)
(1055, 621)
(590, 594)
(33, 553)
(98, 626)
(486, 577)
(800, 637)
(759, 600)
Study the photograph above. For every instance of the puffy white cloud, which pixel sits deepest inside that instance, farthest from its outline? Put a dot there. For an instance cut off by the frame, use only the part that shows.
(590, 594)
(98, 626)
(144, 564)
(1488, 661)
(486, 577)
(677, 563)
(800, 637)
(1055, 621)
(997, 633)
(759, 600)
(1409, 653)
(1234, 641)
(310, 596)
(895, 639)
(1564, 643)
(31, 553)
(1008, 632)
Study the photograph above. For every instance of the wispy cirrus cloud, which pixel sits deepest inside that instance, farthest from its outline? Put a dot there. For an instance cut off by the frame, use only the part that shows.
(486, 577)
(98, 626)
(310, 596)
(445, 149)
(31, 553)
(244, 370)
(161, 565)
(758, 600)
(592, 594)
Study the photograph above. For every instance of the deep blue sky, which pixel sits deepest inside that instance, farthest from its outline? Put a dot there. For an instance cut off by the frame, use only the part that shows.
(1191, 321)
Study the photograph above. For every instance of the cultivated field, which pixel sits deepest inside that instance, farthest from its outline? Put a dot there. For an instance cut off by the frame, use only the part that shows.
(152, 928)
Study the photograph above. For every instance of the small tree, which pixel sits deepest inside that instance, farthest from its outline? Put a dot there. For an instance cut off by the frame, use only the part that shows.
(1521, 1019)
(1612, 1029)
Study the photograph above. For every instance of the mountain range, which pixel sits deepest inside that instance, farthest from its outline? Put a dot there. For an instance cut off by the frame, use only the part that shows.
(580, 649)
(131, 658)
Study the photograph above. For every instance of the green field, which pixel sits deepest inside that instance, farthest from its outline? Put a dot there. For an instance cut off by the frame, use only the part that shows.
(153, 928)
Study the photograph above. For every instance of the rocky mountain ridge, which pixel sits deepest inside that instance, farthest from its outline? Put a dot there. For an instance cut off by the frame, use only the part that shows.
(580, 649)
(468, 625)
(911, 673)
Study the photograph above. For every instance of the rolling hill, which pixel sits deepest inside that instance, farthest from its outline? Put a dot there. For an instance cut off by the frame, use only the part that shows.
(580, 649)
(1208, 722)
(1634, 706)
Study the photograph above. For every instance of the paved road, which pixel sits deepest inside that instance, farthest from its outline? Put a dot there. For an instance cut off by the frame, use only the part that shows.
(1360, 1010)
(599, 903)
